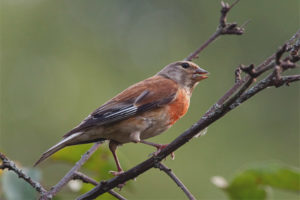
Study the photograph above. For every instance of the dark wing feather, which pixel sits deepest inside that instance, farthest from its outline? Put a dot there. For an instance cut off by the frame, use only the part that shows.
(141, 97)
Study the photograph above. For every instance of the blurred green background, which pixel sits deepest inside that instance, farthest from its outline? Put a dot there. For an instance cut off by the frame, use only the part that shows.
(62, 59)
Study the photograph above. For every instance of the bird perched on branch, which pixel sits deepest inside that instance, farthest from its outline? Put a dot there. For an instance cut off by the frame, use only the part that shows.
(142, 111)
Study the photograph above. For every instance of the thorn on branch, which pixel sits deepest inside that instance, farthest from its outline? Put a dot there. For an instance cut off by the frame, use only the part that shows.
(245, 23)
(237, 74)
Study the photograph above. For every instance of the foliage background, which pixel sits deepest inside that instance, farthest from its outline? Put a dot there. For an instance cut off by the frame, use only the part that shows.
(62, 59)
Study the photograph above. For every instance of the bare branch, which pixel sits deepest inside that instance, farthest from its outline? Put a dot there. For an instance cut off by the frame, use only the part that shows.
(224, 28)
(266, 65)
(279, 53)
(263, 84)
(228, 28)
(86, 179)
(169, 172)
(10, 165)
(232, 98)
(50, 194)
(289, 79)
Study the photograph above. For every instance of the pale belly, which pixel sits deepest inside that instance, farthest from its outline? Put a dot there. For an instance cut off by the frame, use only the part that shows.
(138, 128)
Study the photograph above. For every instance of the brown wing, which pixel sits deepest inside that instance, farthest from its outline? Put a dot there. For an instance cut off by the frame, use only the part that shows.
(146, 95)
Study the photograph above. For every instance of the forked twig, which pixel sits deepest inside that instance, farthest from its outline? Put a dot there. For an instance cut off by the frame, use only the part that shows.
(224, 28)
(55, 189)
(86, 179)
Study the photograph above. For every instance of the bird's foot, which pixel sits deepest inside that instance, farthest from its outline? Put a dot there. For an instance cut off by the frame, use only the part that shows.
(114, 173)
(160, 147)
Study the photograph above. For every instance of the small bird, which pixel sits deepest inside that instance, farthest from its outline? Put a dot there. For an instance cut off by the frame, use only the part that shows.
(142, 111)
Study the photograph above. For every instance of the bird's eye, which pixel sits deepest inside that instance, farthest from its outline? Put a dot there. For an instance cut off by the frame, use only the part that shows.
(185, 65)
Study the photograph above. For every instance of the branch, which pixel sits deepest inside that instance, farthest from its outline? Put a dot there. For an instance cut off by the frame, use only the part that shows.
(54, 190)
(169, 172)
(289, 79)
(230, 100)
(86, 179)
(236, 95)
(72, 174)
(224, 28)
(266, 65)
(10, 165)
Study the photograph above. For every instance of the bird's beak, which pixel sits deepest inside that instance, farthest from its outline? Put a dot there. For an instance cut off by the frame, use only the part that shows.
(200, 74)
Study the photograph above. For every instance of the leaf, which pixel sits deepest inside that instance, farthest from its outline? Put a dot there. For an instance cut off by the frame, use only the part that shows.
(252, 183)
(16, 188)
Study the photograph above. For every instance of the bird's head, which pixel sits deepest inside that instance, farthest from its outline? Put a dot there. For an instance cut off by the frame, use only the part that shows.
(187, 74)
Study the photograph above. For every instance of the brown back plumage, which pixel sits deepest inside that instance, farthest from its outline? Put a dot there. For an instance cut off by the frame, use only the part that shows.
(163, 90)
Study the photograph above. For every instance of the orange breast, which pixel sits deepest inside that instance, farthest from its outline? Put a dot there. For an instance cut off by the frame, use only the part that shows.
(178, 107)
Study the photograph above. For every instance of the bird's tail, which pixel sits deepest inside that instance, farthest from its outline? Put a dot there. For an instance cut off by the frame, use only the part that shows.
(63, 143)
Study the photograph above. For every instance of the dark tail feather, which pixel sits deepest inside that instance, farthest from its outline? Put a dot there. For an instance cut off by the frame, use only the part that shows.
(49, 152)
(67, 141)
(63, 143)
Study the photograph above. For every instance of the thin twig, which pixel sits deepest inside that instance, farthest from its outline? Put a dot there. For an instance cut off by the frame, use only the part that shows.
(86, 179)
(263, 84)
(266, 65)
(290, 79)
(205, 44)
(50, 194)
(224, 28)
(169, 172)
(10, 165)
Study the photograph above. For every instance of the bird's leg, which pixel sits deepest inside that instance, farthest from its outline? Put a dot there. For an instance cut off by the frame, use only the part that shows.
(159, 147)
(113, 147)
